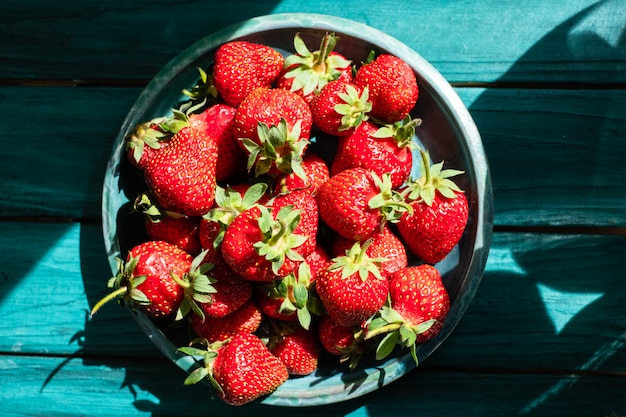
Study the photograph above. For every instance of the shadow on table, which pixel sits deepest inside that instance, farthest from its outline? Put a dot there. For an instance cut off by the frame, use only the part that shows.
(583, 41)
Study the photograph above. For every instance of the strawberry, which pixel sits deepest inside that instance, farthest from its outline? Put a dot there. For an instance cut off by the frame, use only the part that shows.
(392, 86)
(303, 201)
(145, 139)
(318, 260)
(341, 341)
(385, 244)
(340, 107)
(229, 202)
(316, 173)
(439, 212)
(146, 279)
(273, 303)
(246, 318)
(214, 290)
(335, 339)
(182, 175)
(356, 203)
(217, 122)
(261, 245)
(419, 303)
(241, 369)
(289, 298)
(306, 72)
(273, 126)
(179, 230)
(299, 349)
(386, 149)
(242, 66)
(352, 289)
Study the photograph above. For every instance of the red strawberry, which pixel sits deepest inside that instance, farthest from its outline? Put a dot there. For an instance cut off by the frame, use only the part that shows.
(241, 369)
(340, 107)
(318, 260)
(342, 341)
(182, 176)
(439, 212)
(215, 290)
(229, 202)
(246, 318)
(241, 66)
(419, 304)
(146, 139)
(297, 348)
(146, 280)
(273, 126)
(306, 72)
(173, 228)
(217, 122)
(307, 225)
(273, 303)
(385, 244)
(352, 289)
(289, 298)
(261, 245)
(315, 170)
(335, 339)
(386, 149)
(356, 203)
(392, 85)
(417, 293)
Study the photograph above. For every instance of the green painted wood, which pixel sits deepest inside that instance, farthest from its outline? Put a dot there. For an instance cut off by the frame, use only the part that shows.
(62, 387)
(52, 274)
(55, 157)
(554, 41)
(543, 300)
(555, 155)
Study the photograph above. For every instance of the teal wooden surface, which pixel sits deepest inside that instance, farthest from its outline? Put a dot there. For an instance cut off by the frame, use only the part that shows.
(550, 41)
(545, 82)
(556, 153)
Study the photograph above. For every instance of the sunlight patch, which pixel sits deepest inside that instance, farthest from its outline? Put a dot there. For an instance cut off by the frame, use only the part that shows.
(560, 312)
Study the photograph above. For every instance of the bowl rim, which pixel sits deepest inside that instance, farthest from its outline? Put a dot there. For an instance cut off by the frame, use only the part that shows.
(386, 372)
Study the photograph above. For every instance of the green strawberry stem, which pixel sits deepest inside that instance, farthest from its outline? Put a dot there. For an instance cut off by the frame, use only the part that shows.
(354, 108)
(279, 239)
(113, 295)
(279, 148)
(329, 41)
(382, 330)
(402, 132)
(356, 260)
(433, 179)
(389, 201)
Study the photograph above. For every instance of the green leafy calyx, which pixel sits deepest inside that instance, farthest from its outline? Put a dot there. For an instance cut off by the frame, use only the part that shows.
(278, 148)
(433, 179)
(354, 108)
(311, 71)
(279, 240)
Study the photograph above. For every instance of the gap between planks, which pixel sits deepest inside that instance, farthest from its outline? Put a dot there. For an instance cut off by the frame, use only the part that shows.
(140, 83)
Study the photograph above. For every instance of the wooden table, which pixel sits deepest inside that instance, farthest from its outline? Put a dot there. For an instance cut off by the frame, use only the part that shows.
(546, 84)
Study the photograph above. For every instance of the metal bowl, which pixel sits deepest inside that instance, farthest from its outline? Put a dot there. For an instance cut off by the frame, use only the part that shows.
(447, 131)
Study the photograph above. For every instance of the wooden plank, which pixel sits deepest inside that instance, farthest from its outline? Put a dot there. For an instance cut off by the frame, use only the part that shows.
(68, 387)
(555, 297)
(550, 301)
(554, 155)
(555, 42)
(69, 134)
(58, 272)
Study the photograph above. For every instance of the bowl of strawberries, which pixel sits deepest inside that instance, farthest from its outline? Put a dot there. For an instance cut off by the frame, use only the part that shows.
(297, 210)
